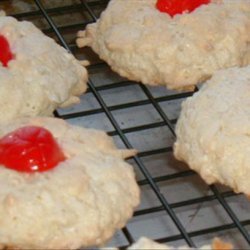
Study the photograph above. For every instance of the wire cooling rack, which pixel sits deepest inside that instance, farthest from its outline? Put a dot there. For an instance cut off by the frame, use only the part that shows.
(177, 207)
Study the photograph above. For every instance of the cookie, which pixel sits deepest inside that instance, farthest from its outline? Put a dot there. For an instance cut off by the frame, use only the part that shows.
(80, 202)
(143, 44)
(145, 243)
(36, 74)
(214, 127)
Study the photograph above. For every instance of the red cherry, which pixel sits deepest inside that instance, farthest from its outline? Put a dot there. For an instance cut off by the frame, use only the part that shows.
(173, 7)
(5, 52)
(30, 149)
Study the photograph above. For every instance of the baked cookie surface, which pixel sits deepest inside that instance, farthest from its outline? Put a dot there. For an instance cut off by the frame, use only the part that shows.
(213, 130)
(143, 44)
(80, 202)
(41, 76)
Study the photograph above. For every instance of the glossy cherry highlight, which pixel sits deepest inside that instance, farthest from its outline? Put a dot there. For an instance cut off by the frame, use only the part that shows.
(173, 7)
(30, 149)
(5, 52)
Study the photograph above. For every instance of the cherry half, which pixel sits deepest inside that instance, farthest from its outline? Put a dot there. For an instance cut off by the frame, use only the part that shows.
(5, 52)
(30, 149)
(173, 7)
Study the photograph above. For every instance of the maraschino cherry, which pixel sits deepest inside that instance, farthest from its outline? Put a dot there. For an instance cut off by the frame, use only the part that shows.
(5, 52)
(30, 149)
(173, 7)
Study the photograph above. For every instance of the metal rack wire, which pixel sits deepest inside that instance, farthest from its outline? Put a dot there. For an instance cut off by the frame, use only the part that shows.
(158, 103)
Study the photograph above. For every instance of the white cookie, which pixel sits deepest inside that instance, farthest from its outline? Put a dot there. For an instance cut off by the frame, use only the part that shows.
(143, 44)
(214, 127)
(41, 77)
(81, 202)
(145, 243)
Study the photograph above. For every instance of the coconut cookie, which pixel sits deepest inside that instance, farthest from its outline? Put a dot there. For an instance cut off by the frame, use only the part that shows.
(62, 186)
(145, 243)
(36, 74)
(144, 44)
(214, 127)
